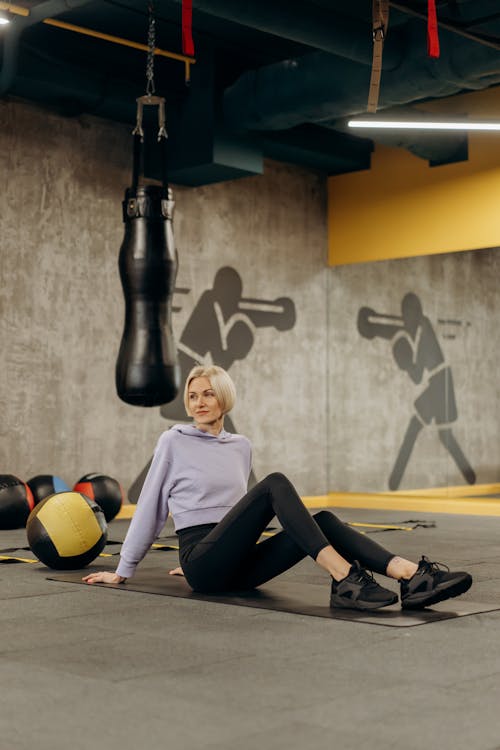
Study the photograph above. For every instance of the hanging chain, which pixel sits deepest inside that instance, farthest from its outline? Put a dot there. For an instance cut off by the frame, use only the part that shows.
(150, 73)
(149, 98)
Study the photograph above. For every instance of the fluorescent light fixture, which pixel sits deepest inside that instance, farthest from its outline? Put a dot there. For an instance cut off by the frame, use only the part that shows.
(4, 20)
(424, 125)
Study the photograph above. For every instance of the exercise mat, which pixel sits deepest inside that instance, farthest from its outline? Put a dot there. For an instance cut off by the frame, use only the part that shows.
(287, 596)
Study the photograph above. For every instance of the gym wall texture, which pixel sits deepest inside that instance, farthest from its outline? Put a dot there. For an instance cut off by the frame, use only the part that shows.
(325, 394)
(431, 419)
(61, 303)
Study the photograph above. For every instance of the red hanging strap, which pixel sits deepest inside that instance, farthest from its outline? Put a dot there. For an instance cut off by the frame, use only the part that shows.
(187, 28)
(432, 30)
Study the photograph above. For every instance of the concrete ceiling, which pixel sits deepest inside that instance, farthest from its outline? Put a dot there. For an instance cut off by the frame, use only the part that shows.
(272, 78)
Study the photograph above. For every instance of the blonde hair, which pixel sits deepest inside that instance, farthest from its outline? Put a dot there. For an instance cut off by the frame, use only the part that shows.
(221, 383)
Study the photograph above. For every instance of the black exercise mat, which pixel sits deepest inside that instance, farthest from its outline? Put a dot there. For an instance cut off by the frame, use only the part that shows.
(287, 596)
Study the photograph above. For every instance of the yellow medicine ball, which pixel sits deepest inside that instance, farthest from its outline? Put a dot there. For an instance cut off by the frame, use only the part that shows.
(67, 530)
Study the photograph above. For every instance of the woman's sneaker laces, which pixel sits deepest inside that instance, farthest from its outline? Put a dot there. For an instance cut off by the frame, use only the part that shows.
(359, 590)
(431, 584)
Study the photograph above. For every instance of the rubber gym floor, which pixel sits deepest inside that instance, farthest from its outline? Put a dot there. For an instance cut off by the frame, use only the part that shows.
(87, 668)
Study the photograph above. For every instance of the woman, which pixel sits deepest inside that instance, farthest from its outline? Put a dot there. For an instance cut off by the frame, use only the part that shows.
(200, 471)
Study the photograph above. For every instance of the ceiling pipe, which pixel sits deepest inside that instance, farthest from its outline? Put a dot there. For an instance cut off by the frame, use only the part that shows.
(188, 61)
(18, 10)
(317, 88)
(320, 89)
(480, 38)
(313, 26)
(72, 91)
(12, 36)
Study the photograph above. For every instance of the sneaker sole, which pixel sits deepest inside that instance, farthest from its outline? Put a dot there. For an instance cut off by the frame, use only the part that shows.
(427, 599)
(341, 603)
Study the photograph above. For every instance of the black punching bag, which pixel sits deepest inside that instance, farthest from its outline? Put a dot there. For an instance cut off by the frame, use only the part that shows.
(147, 373)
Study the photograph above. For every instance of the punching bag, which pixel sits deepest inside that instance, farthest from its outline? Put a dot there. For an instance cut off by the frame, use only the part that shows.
(147, 372)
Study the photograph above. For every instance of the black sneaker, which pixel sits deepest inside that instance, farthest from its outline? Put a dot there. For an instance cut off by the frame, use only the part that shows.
(359, 590)
(430, 585)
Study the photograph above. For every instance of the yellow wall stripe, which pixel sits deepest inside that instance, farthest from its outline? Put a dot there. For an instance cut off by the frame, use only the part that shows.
(126, 511)
(460, 491)
(472, 506)
(468, 500)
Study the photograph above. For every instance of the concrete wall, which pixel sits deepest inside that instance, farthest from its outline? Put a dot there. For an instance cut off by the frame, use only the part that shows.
(61, 307)
(372, 396)
(320, 402)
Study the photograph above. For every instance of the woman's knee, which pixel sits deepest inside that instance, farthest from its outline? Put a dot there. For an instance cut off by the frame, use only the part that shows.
(276, 478)
(326, 517)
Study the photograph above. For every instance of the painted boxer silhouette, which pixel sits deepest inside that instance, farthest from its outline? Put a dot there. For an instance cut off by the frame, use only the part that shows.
(221, 330)
(416, 350)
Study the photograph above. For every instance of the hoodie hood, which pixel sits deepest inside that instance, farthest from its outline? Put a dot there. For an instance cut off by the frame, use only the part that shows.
(190, 429)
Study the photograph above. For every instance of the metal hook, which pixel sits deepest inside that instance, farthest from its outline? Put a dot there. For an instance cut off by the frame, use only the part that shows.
(158, 101)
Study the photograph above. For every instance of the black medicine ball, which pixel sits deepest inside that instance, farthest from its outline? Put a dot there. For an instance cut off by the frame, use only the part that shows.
(106, 492)
(67, 531)
(44, 485)
(16, 502)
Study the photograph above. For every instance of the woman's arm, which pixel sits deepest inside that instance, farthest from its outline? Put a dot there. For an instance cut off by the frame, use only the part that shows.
(103, 576)
(149, 517)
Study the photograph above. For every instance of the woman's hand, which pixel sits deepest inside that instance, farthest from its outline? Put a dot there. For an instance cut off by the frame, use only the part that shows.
(103, 577)
(176, 572)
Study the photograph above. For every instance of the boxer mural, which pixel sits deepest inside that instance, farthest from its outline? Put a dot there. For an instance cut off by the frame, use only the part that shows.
(221, 330)
(416, 350)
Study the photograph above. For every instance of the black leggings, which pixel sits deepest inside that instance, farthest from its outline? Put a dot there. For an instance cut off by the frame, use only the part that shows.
(225, 556)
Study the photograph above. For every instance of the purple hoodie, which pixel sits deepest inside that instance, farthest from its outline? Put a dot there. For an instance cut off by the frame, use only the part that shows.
(195, 476)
